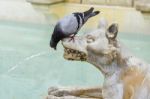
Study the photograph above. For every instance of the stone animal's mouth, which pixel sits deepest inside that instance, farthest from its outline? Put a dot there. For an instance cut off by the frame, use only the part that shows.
(71, 54)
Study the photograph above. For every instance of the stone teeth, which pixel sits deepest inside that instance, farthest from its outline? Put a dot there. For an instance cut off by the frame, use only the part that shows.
(75, 53)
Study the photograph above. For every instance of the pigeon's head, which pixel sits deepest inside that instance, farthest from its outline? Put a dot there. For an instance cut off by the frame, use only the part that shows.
(53, 44)
(55, 38)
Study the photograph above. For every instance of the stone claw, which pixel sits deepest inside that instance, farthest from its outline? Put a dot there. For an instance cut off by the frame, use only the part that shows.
(52, 89)
(58, 92)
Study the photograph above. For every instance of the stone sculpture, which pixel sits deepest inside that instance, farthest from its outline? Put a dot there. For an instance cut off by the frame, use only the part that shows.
(125, 76)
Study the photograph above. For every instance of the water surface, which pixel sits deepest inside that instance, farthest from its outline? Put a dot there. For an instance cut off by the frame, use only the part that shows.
(28, 66)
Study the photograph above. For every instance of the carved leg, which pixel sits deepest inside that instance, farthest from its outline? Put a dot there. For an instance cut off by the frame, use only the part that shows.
(75, 93)
(113, 92)
(67, 97)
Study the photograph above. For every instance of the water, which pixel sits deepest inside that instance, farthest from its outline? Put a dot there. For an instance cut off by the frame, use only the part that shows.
(138, 44)
(28, 67)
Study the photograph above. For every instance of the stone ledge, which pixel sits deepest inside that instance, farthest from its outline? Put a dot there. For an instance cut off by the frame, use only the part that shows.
(44, 1)
(142, 6)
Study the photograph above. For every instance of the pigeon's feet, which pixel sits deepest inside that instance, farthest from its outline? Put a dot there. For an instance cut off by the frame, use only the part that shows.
(72, 38)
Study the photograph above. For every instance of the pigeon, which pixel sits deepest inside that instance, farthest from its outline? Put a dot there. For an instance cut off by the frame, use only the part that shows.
(70, 25)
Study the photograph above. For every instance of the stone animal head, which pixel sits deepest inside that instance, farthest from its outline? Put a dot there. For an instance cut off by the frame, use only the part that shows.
(96, 47)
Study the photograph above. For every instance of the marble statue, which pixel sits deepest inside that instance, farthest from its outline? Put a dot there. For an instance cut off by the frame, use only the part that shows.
(125, 76)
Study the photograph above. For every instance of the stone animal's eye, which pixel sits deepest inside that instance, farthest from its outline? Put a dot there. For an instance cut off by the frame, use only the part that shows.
(90, 39)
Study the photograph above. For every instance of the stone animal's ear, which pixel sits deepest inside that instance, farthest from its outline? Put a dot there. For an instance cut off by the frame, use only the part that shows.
(112, 31)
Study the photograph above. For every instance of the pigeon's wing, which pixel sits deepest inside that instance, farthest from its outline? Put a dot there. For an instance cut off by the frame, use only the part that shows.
(69, 24)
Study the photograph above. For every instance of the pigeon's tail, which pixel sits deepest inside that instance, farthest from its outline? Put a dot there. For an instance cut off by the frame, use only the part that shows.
(94, 13)
(53, 44)
(88, 12)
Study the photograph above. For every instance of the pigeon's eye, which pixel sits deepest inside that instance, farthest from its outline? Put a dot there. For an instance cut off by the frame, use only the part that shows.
(90, 39)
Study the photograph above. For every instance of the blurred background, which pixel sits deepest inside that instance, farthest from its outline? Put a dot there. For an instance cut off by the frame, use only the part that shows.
(28, 66)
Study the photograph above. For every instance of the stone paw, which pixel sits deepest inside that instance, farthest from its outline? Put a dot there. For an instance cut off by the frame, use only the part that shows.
(59, 92)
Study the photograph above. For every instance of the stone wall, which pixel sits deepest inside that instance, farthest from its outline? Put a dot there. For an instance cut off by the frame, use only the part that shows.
(73, 1)
(142, 5)
(110, 2)
(44, 1)
(104, 2)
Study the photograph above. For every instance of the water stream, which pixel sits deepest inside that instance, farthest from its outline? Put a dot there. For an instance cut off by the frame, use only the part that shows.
(29, 58)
